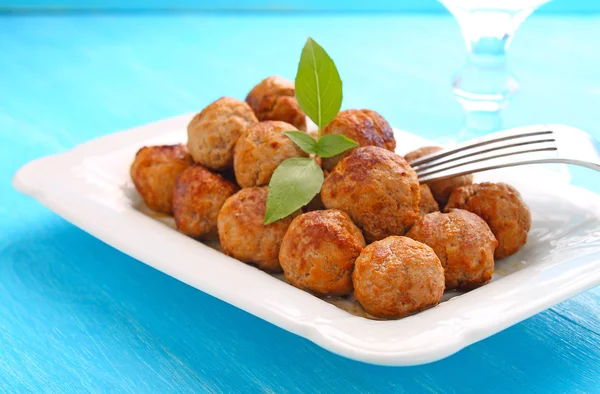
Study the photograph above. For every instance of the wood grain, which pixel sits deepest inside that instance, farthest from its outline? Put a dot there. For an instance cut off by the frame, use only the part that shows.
(78, 316)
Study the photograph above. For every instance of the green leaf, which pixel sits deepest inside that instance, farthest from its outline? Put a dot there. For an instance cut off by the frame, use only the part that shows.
(293, 184)
(318, 84)
(305, 141)
(333, 144)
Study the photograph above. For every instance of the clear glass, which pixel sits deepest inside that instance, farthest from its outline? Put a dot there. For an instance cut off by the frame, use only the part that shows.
(485, 84)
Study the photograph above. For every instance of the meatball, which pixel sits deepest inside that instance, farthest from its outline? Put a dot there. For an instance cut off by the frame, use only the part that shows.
(244, 236)
(318, 252)
(154, 172)
(365, 127)
(397, 276)
(213, 132)
(274, 99)
(503, 209)
(260, 150)
(440, 189)
(427, 203)
(198, 197)
(464, 244)
(377, 188)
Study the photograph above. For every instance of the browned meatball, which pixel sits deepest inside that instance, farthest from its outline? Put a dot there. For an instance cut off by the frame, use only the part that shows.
(274, 99)
(154, 172)
(397, 276)
(260, 150)
(464, 244)
(213, 132)
(377, 188)
(503, 209)
(427, 203)
(440, 189)
(243, 234)
(318, 252)
(199, 195)
(365, 127)
(422, 151)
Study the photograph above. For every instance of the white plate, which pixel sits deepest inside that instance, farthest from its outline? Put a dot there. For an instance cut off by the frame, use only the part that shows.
(90, 187)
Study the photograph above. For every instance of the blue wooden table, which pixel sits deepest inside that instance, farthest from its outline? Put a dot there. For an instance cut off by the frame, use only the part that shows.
(78, 316)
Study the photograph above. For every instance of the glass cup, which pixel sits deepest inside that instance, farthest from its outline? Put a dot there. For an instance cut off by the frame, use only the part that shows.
(484, 85)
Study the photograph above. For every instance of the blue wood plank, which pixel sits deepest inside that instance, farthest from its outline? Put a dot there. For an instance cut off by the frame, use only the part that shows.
(78, 316)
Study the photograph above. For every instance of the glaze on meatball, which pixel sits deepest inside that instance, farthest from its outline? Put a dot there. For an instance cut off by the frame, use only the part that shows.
(318, 252)
(154, 172)
(377, 188)
(213, 132)
(502, 208)
(274, 98)
(427, 203)
(260, 150)
(464, 244)
(440, 189)
(363, 126)
(396, 277)
(244, 236)
(198, 197)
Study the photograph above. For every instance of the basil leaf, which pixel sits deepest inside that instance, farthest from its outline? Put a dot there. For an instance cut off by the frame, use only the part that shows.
(293, 184)
(318, 84)
(305, 141)
(333, 144)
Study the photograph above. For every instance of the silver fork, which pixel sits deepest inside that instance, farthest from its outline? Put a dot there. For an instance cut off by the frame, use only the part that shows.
(523, 145)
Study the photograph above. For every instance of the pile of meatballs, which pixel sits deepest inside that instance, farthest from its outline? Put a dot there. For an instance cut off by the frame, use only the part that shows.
(373, 231)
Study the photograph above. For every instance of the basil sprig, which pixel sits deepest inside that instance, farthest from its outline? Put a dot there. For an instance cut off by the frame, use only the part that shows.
(319, 93)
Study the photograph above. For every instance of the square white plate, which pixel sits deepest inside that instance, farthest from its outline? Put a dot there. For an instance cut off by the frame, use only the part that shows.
(90, 187)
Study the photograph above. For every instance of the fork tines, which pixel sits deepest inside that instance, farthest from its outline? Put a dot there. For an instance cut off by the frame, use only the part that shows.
(503, 149)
